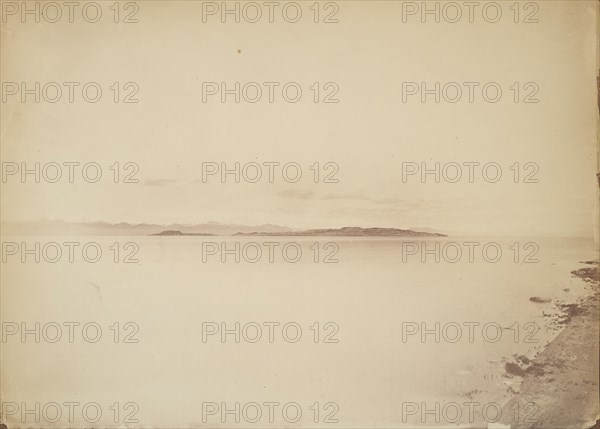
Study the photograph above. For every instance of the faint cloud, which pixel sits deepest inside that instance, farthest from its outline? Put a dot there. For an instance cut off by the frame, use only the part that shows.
(295, 193)
(403, 202)
(359, 197)
(159, 182)
(346, 197)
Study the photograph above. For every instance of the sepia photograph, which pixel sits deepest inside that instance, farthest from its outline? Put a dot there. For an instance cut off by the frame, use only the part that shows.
(308, 214)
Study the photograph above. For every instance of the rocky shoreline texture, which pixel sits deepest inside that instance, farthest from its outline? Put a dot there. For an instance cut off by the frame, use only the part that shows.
(560, 385)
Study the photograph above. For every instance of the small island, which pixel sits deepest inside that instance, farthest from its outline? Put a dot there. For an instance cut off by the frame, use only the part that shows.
(179, 233)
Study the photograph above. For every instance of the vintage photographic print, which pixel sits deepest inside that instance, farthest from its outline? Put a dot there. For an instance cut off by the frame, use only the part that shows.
(309, 214)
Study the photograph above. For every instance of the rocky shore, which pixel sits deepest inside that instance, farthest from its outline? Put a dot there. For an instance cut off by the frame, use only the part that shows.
(560, 385)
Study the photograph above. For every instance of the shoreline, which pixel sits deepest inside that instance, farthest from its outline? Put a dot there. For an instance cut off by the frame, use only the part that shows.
(560, 387)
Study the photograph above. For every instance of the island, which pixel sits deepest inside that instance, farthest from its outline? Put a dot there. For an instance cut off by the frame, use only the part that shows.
(347, 231)
(179, 233)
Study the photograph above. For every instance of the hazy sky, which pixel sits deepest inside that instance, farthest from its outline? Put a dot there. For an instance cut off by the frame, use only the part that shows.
(368, 134)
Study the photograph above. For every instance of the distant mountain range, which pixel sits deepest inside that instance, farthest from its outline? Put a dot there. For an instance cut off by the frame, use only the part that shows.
(105, 228)
(202, 229)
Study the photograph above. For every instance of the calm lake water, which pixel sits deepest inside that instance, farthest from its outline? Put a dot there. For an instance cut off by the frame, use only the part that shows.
(359, 356)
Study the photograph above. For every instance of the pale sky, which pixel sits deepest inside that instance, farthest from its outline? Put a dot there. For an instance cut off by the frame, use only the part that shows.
(368, 134)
